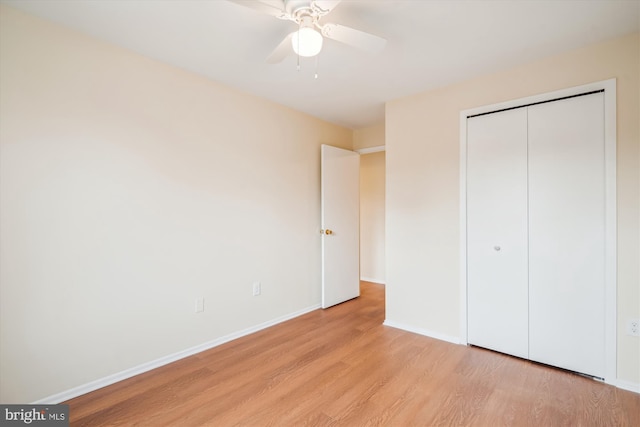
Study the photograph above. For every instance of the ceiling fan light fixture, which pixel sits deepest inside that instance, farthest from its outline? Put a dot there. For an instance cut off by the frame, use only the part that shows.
(306, 42)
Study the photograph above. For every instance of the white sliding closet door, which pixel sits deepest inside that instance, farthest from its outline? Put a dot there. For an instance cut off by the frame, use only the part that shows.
(567, 234)
(497, 307)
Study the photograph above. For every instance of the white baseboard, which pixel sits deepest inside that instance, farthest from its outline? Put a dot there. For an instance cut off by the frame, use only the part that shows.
(369, 279)
(628, 385)
(425, 332)
(145, 367)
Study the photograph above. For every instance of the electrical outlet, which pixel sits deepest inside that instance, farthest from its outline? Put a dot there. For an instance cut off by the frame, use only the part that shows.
(257, 289)
(199, 305)
(633, 327)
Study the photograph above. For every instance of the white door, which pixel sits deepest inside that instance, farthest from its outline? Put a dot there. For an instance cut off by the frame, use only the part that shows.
(497, 315)
(340, 196)
(567, 234)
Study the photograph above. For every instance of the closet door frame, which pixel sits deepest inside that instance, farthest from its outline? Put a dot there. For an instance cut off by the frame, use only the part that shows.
(609, 88)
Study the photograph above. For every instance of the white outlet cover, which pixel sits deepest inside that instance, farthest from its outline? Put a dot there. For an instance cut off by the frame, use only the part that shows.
(633, 327)
(199, 305)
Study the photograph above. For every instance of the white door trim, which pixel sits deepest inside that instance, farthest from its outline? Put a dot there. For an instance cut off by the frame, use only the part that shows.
(609, 87)
(370, 150)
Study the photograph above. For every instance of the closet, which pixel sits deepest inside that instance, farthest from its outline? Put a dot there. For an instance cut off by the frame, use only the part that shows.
(536, 232)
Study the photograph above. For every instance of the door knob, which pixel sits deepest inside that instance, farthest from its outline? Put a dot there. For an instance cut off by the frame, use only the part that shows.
(327, 232)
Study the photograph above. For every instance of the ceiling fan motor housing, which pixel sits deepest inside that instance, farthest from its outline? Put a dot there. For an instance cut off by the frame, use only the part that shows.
(294, 6)
(303, 12)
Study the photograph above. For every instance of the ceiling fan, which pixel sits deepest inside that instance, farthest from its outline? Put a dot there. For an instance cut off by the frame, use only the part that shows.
(307, 40)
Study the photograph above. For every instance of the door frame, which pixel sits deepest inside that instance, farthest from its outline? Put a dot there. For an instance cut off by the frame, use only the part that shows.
(609, 87)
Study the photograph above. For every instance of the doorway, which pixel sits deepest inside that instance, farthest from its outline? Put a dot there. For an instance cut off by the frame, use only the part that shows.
(372, 217)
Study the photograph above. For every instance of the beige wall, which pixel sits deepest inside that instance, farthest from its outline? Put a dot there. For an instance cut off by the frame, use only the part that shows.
(372, 136)
(130, 188)
(422, 141)
(372, 177)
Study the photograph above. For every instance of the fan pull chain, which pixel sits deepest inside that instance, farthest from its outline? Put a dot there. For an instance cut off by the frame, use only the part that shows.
(299, 28)
(317, 60)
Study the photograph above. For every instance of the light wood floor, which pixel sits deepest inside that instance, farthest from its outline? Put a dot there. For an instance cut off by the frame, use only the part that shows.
(342, 367)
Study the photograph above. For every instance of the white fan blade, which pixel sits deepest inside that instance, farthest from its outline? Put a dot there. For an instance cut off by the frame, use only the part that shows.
(355, 38)
(282, 51)
(326, 6)
(270, 7)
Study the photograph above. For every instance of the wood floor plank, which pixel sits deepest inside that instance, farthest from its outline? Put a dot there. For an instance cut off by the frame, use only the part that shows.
(343, 367)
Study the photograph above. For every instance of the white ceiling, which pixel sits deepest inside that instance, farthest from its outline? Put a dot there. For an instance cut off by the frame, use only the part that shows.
(431, 43)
